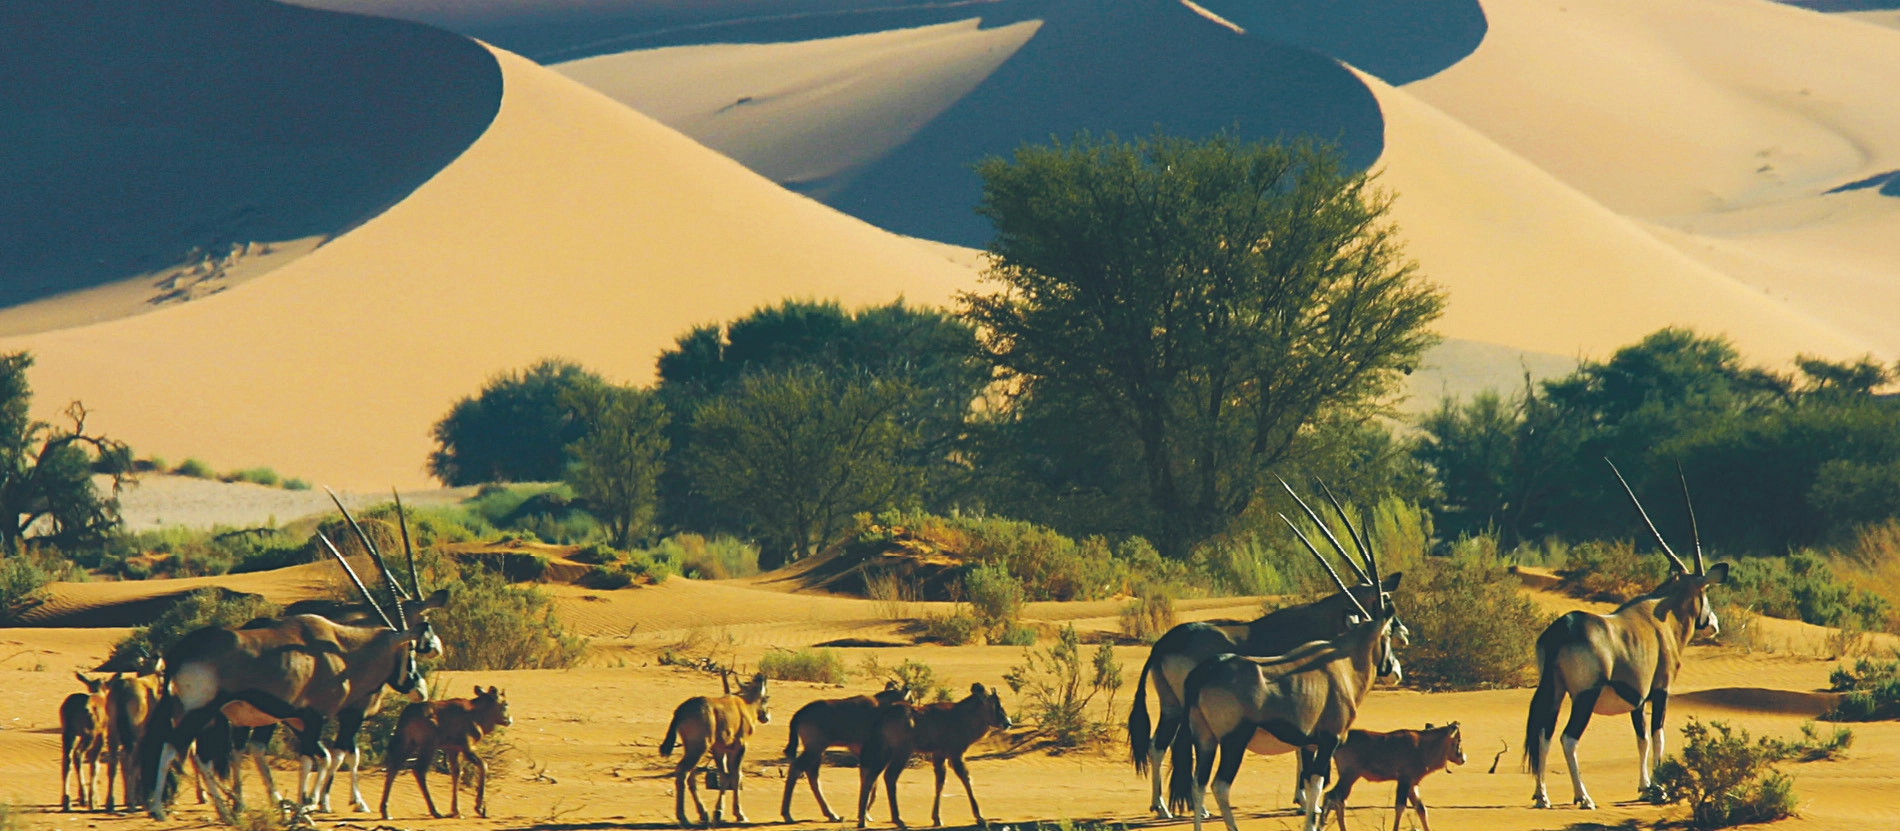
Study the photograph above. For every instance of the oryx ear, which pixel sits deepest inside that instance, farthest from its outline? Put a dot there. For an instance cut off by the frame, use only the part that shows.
(890, 685)
(1391, 581)
(434, 601)
(478, 689)
(1428, 726)
(1717, 574)
(977, 688)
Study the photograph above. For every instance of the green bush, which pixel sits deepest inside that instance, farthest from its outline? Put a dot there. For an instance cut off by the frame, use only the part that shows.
(1872, 690)
(824, 666)
(1057, 689)
(23, 579)
(995, 595)
(1726, 778)
(190, 552)
(1149, 616)
(1612, 571)
(295, 484)
(490, 624)
(954, 629)
(203, 608)
(1812, 746)
(1048, 565)
(720, 558)
(194, 468)
(1453, 648)
(256, 475)
(1803, 586)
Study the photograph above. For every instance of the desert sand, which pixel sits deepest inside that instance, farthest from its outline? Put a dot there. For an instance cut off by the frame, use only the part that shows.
(584, 739)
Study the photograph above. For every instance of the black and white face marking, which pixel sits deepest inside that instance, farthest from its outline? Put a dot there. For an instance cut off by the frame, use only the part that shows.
(1705, 620)
(1389, 670)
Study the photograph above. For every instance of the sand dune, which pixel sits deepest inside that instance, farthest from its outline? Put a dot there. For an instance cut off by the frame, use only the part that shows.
(144, 135)
(572, 227)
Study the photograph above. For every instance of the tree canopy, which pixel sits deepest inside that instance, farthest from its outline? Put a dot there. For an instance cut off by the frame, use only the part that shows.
(517, 429)
(1205, 300)
(46, 485)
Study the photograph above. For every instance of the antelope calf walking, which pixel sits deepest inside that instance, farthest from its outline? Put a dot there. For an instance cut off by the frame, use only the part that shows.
(722, 724)
(82, 738)
(825, 724)
(130, 700)
(453, 726)
(1632, 653)
(1402, 756)
(943, 730)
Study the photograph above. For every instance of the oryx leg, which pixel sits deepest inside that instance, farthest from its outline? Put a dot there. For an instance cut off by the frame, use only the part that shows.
(481, 788)
(1581, 706)
(455, 783)
(683, 781)
(257, 747)
(1321, 764)
(1233, 749)
(1411, 789)
(1658, 702)
(936, 800)
(1203, 774)
(1165, 727)
(421, 770)
(1642, 749)
(963, 773)
(737, 782)
(1545, 704)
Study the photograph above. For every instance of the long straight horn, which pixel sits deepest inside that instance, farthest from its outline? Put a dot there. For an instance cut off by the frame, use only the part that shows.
(1667, 551)
(1324, 529)
(1694, 532)
(396, 591)
(357, 580)
(1363, 541)
(408, 550)
(1329, 566)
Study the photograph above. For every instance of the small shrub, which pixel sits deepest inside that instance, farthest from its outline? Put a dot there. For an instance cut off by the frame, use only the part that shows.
(1804, 586)
(194, 468)
(1454, 648)
(295, 484)
(823, 666)
(609, 577)
(1013, 635)
(1057, 690)
(23, 580)
(1048, 565)
(1149, 616)
(921, 680)
(256, 476)
(1612, 571)
(1725, 777)
(206, 607)
(1812, 747)
(490, 624)
(997, 599)
(955, 629)
(1872, 691)
(720, 558)
(890, 594)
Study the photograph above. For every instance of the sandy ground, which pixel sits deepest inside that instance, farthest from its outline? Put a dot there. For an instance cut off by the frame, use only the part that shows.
(584, 739)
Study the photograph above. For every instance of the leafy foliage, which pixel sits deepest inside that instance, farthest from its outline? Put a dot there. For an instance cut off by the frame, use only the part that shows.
(516, 430)
(1872, 690)
(490, 624)
(206, 607)
(616, 465)
(799, 452)
(1451, 646)
(46, 486)
(1196, 303)
(1726, 778)
(1057, 689)
(824, 666)
(1049, 565)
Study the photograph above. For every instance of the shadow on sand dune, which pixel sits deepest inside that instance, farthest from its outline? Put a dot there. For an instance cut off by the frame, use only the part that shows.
(134, 131)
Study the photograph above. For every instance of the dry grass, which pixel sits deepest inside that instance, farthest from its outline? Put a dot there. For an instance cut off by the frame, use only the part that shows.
(1148, 617)
(891, 595)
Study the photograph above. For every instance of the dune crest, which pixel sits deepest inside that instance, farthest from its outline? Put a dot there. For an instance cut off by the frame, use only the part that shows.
(573, 227)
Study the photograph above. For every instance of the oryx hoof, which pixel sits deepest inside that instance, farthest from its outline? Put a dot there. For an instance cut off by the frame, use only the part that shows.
(830, 817)
(1586, 803)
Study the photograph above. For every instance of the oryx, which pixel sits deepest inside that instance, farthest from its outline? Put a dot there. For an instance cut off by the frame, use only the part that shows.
(1632, 653)
(300, 667)
(1306, 699)
(349, 719)
(1184, 647)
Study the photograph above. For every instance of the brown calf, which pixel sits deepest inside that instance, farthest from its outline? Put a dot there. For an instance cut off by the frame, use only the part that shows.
(130, 700)
(943, 730)
(1402, 756)
(454, 726)
(82, 737)
(828, 723)
(723, 724)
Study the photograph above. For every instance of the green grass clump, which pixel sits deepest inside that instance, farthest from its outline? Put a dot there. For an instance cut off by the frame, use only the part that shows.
(823, 666)
(1057, 685)
(254, 475)
(719, 558)
(1726, 777)
(954, 629)
(194, 468)
(1872, 690)
(1149, 616)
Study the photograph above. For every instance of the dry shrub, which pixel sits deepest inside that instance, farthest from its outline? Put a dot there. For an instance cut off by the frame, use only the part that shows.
(1726, 778)
(891, 594)
(489, 624)
(1471, 628)
(1056, 689)
(954, 629)
(823, 666)
(1612, 571)
(1149, 616)
(1740, 629)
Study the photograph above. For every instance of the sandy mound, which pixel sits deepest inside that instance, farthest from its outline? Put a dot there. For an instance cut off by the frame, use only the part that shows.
(572, 227)
(166, 138)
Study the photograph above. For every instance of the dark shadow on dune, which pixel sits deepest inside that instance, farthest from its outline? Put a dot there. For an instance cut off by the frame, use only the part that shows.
(1761, 700)
(1888, 183)
(1843, 5)
(1129, 67)
(1398, 40)
(133, 131)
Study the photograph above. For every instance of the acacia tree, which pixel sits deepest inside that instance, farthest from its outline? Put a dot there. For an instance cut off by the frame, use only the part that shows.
(46, 486)
(1210, 298)
(617, 464)
(799, 451)
(516, 430)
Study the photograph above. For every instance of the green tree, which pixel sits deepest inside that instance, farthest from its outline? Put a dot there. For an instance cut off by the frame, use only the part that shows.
(1210, 299)
(46, 485)
(616, 465)
(797, 452)
(516, 430)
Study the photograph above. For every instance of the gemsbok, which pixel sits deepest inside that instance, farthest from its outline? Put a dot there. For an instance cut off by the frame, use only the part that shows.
(452, 726)
(825, 724)
(1305, 699)
(943, 730)
(1633, 653)
(721, 724)
(349, 718)
(1186, 646)
(301, 667)
(1402, 756)
(130, 700)
(82, 740)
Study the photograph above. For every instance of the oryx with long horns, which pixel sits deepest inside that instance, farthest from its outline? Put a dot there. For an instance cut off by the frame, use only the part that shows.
(1616, 663)
(409, 605)
(1305, 700)
(1186, 646)
(304, 668)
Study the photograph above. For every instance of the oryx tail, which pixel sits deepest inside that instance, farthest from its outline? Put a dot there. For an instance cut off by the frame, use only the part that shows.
(1138, 724)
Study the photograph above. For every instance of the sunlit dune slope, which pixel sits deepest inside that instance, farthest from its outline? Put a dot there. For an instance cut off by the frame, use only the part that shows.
(139, 134)
(573, 227)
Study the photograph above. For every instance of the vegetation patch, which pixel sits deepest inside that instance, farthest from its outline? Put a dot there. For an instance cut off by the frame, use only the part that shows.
(823, 666)
(1726, 777)
(1872, 690)
(1057, 686)
(206, 607)
(490, 624)
(1471, 627)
